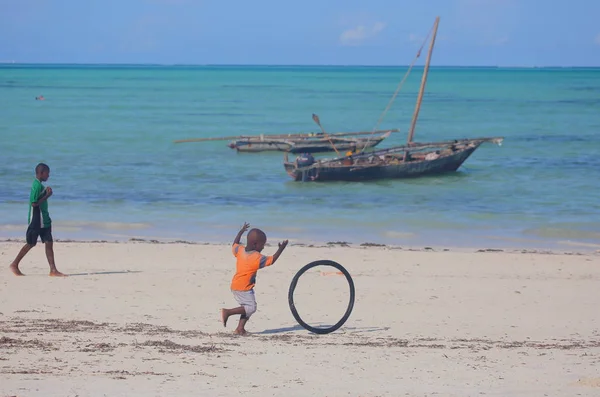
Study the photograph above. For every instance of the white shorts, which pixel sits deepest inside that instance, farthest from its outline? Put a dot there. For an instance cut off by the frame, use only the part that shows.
(247, 300)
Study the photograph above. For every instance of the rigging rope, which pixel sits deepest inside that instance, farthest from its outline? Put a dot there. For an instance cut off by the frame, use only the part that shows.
(389, 105)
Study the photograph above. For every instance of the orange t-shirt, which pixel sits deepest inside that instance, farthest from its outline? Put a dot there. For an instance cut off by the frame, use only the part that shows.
(247, 264)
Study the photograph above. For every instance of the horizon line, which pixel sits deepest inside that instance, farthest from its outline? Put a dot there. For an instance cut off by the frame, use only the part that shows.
(14, 63)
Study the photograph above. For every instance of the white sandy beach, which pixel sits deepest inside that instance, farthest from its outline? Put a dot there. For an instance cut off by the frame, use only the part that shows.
(139, 318)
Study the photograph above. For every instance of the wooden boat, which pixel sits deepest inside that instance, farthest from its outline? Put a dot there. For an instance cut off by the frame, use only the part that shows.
(302, 142)
(422, 159)
(307, 145)
(405, 161)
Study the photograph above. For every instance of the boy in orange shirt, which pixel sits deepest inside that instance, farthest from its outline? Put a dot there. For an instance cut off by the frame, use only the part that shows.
(249, 261)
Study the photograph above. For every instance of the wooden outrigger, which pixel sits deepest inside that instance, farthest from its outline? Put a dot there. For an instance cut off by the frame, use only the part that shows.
(301, 142)
(308, 145)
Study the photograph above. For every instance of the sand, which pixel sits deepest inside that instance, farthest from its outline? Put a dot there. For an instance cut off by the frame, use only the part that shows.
(142, 318)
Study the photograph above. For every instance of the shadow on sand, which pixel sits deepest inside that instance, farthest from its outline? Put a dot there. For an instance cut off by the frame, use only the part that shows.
(103, 273)
(280, 330)
(343, 329)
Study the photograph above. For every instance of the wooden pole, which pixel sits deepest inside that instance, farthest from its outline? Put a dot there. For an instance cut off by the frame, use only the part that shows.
(413, 123)
(316, 120)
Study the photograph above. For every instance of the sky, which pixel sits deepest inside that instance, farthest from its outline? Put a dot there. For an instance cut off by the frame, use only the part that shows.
(308, 32)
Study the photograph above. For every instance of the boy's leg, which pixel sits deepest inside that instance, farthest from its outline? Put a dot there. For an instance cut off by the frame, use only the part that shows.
(247, 307)
(248, 301)
(240, 330)
(31, 236)
(14, 266)
(46, 236)
(50, 256)
(225, 313)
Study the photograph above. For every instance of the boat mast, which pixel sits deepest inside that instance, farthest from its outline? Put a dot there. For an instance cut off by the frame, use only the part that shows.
(413, 123)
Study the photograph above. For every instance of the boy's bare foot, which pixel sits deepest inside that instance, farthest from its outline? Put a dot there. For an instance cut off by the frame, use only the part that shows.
(224, 317)
(15, 269)
(56, 273)
(240, 332)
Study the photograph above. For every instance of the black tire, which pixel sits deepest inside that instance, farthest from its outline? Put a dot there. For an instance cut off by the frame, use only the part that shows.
(334, 327)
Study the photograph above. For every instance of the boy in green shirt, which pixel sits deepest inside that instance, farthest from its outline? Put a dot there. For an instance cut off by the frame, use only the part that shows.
(40, 224)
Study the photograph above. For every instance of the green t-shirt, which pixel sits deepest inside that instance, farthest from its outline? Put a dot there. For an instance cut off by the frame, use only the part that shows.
(37, 191)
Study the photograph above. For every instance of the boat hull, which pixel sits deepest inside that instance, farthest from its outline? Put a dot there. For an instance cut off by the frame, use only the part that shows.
(411, 169)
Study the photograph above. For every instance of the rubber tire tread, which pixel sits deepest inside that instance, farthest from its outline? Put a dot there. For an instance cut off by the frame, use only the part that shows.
(324, 262)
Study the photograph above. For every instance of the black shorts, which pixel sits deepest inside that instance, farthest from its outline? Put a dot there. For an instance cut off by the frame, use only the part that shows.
(45, 233)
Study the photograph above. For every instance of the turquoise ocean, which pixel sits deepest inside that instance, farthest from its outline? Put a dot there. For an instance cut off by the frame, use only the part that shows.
(107, 133)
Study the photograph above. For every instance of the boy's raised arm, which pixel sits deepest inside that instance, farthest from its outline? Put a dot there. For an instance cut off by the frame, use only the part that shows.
(239, 235)
(282, 246)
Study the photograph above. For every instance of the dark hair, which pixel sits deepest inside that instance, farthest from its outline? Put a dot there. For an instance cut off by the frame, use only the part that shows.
(259, 233)
(41, 167)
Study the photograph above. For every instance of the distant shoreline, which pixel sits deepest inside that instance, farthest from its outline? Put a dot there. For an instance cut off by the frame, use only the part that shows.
(544, 239)
(576, 249)
(209, 65)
